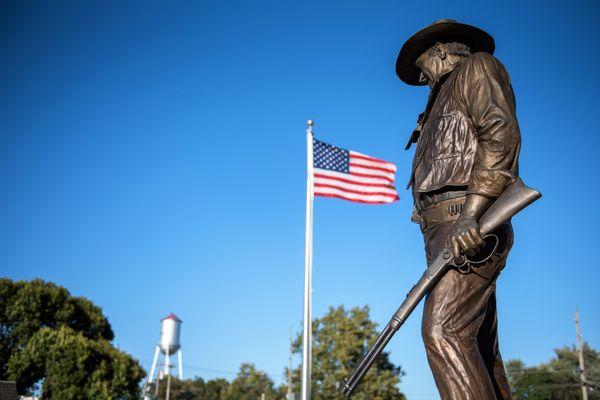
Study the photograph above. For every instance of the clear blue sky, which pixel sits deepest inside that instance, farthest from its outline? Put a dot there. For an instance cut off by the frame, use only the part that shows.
(152, 159)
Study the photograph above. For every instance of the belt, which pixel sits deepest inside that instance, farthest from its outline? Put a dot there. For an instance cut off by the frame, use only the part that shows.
(425, 200)
(444, 211)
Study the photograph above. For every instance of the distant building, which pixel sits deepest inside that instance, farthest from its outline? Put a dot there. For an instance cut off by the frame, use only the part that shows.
(8, 390)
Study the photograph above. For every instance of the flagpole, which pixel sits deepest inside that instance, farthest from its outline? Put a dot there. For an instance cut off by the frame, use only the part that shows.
(307, 321)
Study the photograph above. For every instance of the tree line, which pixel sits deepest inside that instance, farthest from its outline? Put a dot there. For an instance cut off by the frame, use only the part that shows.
(557, 379)
(340, 339)
(61, 345)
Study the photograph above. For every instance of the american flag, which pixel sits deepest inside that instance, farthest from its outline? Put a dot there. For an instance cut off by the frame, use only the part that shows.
(353, 176)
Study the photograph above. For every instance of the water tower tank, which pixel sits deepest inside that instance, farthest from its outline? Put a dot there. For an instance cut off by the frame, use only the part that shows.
(169, 334)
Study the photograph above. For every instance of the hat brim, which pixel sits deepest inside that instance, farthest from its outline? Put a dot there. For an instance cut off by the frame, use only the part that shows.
(442, 32)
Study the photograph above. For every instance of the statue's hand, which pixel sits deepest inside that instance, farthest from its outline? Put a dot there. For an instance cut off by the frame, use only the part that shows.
(465, 237)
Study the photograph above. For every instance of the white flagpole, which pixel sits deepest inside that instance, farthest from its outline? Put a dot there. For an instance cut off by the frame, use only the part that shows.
(307, 322)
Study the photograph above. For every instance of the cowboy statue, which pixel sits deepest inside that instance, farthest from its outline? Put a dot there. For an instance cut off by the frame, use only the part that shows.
(467, 149)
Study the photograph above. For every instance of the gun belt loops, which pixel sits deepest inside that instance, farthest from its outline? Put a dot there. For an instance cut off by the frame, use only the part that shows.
(451, 209)
(455, 209)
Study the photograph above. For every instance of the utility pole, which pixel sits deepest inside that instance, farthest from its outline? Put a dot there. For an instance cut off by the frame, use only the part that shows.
(581, 363)
(290, 394)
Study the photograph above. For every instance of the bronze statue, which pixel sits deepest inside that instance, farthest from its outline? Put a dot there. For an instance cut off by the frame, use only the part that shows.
(466, 188)
(467, 153)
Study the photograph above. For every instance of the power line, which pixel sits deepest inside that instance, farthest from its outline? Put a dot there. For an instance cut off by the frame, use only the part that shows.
(216, 371)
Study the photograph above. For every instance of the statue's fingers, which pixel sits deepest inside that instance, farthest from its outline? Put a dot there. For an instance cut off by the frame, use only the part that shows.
(476, 243)
(467, 244)
(467, 241)
(458, 258)
(477, 237)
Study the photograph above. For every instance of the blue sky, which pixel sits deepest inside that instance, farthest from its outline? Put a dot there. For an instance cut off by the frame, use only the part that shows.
(152, 159)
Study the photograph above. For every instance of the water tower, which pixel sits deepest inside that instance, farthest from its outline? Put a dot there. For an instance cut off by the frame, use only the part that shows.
(168, 345)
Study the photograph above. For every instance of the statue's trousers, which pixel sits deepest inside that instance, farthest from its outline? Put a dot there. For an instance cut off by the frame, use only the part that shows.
(460, 328)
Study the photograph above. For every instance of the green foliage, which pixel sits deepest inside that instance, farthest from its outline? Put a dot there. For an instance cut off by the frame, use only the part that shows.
(26, 307)
(194, 389)
(557, 379)
(249, 384)
(340, 339)
(49, 336)
(75, 367)
(216, 389)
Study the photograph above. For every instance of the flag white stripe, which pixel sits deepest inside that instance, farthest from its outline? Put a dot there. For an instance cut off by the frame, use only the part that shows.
(356, 178)
(372, 163)
(371, 171)
(356, 153)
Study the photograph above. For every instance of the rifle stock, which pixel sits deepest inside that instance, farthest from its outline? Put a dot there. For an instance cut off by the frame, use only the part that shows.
(515, 197)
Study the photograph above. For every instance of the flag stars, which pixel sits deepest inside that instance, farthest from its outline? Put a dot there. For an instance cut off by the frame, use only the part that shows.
(329, 157)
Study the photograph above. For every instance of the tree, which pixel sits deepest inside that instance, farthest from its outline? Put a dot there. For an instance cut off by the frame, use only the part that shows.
(195, 389)
(216, 389)
(75, 367)
(340, 340)
(249, 384)
(49, 336)
(557, 379)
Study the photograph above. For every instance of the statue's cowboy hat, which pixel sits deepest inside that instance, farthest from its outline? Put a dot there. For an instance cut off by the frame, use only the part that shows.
(442, 31)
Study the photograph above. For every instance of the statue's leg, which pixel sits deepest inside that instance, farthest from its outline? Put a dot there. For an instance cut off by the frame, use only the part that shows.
(490, 351)
(488, 332)
(453, 315)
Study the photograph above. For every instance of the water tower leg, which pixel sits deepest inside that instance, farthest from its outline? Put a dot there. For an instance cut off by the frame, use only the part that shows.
(154, 361)
(151, 375)
(180, 365)
(168, 387)
(168, 372)
(167, 363)
(158, 378)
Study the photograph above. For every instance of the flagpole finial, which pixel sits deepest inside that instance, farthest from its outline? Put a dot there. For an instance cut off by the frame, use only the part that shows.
(310, 122)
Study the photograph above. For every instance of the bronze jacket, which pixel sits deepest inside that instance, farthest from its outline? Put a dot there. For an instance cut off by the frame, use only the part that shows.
(469, 134)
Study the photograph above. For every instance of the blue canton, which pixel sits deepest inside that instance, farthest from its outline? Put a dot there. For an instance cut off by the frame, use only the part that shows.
(329, 157)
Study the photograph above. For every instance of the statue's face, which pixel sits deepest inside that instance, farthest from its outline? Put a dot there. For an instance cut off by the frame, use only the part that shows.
(433, 63)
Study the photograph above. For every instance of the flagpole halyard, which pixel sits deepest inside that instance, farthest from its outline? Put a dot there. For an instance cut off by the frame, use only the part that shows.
(307, 319)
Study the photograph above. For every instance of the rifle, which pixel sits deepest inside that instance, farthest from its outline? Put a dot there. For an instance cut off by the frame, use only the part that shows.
(515, 197)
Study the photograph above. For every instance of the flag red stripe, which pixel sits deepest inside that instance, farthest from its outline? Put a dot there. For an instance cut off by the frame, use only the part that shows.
(372, 176)
(371, 167)
(354, 182)
(324, 185)
(363, 157)
(339, 196)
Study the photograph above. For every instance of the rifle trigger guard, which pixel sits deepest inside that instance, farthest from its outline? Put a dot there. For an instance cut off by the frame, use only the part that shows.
(491, 245)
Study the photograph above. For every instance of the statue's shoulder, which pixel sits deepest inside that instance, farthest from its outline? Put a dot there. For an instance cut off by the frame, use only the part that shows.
(483, 57)
(480, 65)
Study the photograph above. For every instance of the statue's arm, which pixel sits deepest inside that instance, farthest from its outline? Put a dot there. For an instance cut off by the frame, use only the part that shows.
(483, 89)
